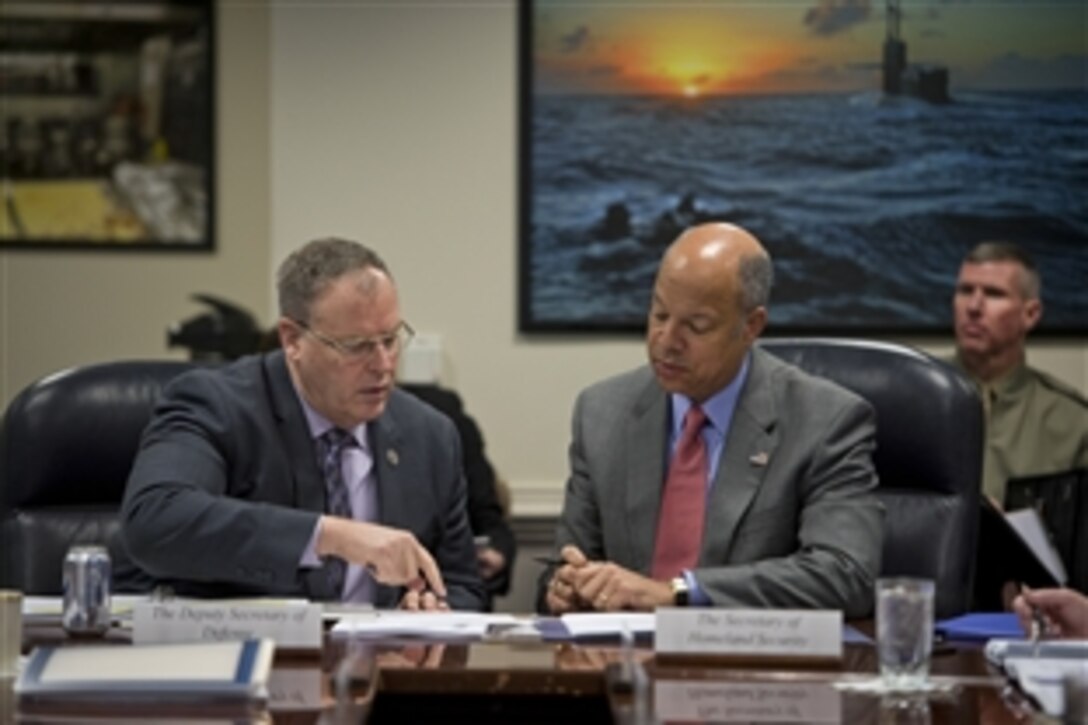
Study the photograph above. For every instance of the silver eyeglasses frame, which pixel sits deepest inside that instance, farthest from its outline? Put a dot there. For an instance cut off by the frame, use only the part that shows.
(356, 349)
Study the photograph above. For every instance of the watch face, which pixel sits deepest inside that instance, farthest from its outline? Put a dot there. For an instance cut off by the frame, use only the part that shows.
(680, 591)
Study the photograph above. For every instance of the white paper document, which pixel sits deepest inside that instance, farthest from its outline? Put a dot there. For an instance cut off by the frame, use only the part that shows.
(1044, 679)
(425, 625)
(38, 607)
(1029, 526)
(1000, 650)
(604, 624)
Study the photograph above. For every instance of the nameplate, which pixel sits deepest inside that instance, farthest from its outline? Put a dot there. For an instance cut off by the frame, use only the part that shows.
(781, 635)
(747, 701)
(292, 625)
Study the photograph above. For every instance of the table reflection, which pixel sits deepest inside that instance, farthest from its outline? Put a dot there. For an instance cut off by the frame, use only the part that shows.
(358, 681)
(783, 702)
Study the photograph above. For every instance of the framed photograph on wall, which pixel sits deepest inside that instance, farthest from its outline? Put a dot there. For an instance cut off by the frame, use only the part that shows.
(869, 145)
(107, 138)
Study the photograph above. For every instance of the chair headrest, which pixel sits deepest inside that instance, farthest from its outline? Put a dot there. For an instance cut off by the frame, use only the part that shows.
(70, 438)
(929, 415)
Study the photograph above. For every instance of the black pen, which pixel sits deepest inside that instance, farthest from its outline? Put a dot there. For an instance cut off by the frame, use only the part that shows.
(549, 561)
(1038, 624)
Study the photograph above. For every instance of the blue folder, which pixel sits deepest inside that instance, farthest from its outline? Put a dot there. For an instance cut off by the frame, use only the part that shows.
(980, 626)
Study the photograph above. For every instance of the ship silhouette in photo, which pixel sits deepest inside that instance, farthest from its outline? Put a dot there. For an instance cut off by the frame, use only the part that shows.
(928, 82)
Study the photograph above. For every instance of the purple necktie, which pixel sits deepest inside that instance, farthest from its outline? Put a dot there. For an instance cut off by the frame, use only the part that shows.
(683, 503)
(337, 501)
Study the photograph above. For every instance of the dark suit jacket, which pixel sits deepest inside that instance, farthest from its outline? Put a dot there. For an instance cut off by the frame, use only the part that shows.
(484, 512)
(225, 490)
(791, 520)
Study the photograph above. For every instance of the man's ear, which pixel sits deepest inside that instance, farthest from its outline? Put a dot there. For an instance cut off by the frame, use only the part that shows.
(289, 334)
(1033, 312)
(754, 324)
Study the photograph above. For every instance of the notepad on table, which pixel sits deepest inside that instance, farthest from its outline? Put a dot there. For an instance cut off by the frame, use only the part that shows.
(205, 672)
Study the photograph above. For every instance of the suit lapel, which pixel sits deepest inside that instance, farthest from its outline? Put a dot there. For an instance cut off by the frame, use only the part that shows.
(646, 433)
(296, 441)
(384, 438)
(747, 450)
(294, 433)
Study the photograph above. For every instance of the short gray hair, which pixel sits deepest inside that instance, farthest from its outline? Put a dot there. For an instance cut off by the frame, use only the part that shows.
(310, 269)
(1030, 282)
(756, 276)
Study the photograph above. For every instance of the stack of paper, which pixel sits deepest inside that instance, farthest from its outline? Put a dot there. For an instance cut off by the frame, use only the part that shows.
(605, 624)
(424, 625)
(1042, 672)
(1044, 679)
(49, 609)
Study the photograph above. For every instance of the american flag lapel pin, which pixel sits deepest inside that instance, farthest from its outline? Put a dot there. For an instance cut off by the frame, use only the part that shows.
(759, 459)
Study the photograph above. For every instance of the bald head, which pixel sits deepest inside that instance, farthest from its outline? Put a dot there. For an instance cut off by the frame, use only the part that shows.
(709, 306)
(716, 251)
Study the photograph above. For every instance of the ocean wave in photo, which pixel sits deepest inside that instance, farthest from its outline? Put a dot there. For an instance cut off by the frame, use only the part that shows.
(867, 203)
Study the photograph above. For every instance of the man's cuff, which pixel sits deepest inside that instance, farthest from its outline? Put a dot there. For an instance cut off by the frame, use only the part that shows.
(310, 559)
(696, 596)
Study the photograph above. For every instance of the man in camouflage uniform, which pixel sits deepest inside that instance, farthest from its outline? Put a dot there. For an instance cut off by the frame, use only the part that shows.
(1035, 424)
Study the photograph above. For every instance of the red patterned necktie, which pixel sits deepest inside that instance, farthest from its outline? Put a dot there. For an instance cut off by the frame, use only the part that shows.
(683, 504)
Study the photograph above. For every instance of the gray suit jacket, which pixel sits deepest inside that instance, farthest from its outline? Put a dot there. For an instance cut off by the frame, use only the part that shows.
(791, 519)
(226, 489)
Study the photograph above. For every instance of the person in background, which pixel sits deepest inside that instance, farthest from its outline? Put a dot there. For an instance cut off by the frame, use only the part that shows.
(1064, 611)
(1035, 424)
(496, 547)
(717, 475)
(304, 471)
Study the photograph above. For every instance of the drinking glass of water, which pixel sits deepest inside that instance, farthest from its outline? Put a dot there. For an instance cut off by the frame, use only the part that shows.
(904, 631)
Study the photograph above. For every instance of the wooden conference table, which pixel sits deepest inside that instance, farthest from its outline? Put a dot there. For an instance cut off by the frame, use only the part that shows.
(534, 682)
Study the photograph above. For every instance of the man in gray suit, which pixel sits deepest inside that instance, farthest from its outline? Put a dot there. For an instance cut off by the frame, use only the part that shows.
(782, 512)
(304, 471)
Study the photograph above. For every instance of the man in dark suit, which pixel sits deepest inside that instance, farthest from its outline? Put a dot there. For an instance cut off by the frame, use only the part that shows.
(717, 475)
(304, 471)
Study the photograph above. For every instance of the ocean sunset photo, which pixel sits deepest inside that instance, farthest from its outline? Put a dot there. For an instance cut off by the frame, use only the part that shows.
(869, 145)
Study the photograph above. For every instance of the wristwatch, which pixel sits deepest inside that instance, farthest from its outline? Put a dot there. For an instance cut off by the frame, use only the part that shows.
(680, 591)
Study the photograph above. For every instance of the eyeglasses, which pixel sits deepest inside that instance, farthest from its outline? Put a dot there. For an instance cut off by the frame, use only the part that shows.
(358, 348)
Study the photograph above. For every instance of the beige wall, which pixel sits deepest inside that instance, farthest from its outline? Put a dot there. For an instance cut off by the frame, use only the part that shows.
(393, 123)
(62, 308)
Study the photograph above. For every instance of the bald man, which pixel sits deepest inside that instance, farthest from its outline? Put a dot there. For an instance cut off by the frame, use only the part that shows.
(717, 475)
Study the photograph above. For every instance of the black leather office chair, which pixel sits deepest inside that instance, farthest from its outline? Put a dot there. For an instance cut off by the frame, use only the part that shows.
(67, 443)
(928, 454)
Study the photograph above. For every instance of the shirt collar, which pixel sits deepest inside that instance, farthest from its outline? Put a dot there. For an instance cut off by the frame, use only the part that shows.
(1010, 383)
(718, 407)
(319, 424)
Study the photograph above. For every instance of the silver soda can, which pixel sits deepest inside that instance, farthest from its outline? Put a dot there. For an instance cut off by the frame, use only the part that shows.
(87, 590)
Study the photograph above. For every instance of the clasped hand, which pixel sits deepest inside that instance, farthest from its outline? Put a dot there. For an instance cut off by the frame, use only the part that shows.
(583, 585)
